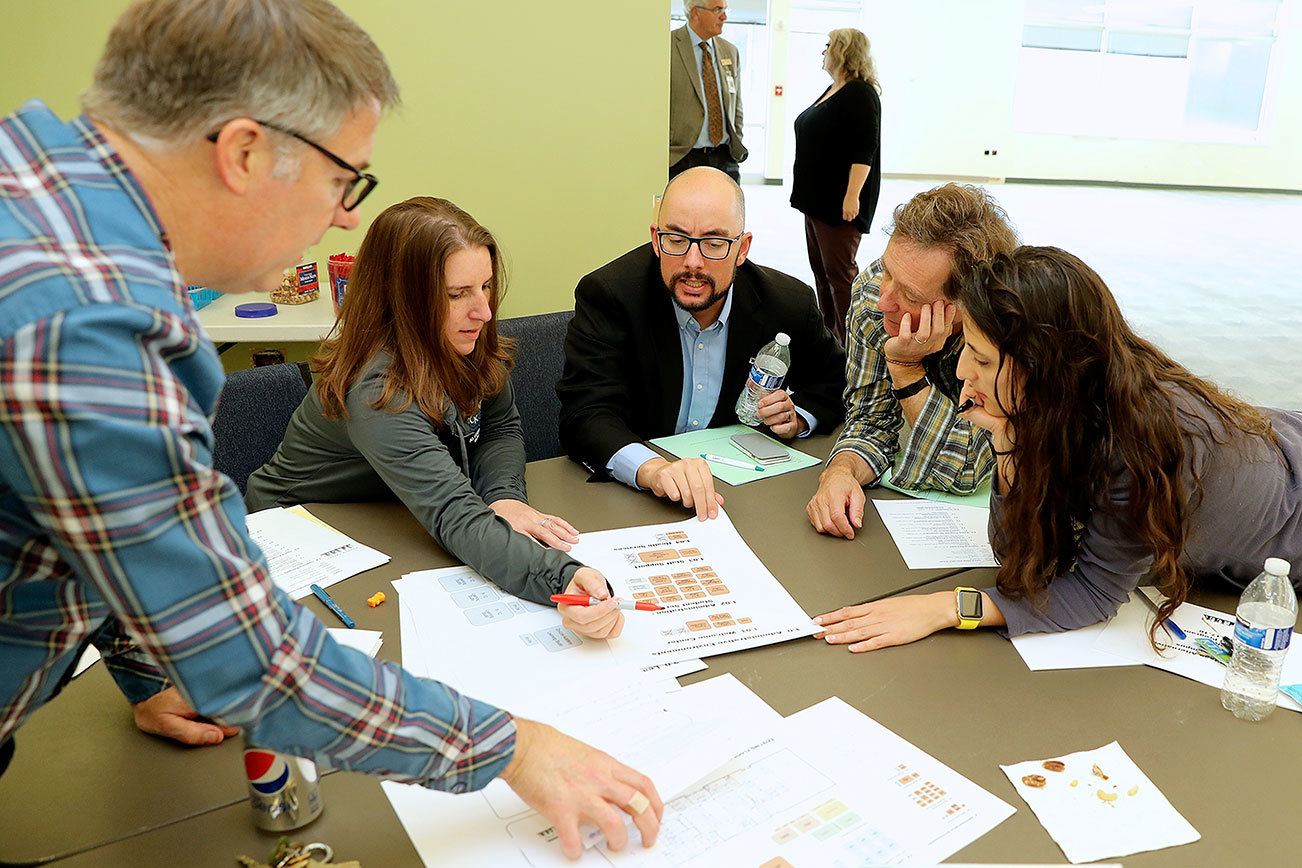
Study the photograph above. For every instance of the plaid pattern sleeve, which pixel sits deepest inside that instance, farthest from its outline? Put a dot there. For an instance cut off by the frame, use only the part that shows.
(134, 671)
(941, 451)
(110, 508)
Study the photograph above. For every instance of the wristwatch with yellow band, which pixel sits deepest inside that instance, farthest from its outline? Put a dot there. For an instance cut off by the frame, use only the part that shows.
(970, 610)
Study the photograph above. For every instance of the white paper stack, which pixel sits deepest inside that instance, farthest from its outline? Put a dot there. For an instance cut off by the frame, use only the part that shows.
(302, 551)
(743, 786)
(790, 795)
(1123, 640)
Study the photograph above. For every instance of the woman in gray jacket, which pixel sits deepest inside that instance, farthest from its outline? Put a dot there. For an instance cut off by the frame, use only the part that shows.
(412, 397)
(1116, 465)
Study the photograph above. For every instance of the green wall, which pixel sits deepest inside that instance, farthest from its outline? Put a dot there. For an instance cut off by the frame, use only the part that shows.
(546, 121)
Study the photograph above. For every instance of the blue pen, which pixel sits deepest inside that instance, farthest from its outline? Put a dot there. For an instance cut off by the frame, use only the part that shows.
(1171, 626)
(333, 606)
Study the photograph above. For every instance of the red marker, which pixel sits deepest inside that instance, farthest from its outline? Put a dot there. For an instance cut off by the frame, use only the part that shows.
(585, 600)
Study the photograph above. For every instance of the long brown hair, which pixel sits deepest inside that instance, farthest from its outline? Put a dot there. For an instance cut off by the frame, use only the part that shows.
(397, 303)
(1092, 398)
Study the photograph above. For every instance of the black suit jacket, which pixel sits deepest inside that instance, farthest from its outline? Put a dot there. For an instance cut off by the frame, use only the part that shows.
(623, 375)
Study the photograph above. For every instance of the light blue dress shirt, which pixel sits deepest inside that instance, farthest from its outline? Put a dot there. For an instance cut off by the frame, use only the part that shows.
(703, 140)
(704, 353)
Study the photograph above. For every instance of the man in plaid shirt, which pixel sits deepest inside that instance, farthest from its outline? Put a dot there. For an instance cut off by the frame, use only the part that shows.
(205, 156)
(903, 342)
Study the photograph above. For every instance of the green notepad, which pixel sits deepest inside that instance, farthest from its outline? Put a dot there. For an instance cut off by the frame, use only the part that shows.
(980, 497)
(715, 441)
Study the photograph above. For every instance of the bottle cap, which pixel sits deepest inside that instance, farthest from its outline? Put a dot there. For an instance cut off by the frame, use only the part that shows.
(255, 310)
(1277, 567)
(783, 339)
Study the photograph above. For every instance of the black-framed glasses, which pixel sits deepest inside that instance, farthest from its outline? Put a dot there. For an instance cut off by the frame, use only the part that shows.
(711, 247)
(355, 190)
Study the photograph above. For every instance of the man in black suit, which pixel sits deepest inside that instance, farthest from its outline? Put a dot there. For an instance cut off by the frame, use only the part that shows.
(662, 339)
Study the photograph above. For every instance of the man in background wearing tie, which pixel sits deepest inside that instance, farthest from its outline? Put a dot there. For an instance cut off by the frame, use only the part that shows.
(705, 125)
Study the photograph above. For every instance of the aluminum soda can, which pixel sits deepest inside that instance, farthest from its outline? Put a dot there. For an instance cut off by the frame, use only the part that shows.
(284, 791)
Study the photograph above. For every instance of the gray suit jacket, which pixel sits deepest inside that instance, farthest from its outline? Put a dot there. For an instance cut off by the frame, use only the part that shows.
(687, 99)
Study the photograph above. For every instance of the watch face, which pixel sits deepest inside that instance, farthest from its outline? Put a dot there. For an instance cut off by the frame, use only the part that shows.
(969, 605)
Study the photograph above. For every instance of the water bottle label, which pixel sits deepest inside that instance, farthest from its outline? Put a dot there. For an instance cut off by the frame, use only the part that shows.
(767, 382)
(1265, 639)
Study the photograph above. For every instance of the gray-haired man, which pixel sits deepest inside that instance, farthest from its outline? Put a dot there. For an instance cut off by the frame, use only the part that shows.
(705, 119)
(206, 155)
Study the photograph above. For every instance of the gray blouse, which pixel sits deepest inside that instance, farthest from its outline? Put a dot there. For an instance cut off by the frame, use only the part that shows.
(445, 475)
(1251, 509)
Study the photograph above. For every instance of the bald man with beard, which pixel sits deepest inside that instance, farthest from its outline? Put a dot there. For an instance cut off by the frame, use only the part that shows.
(662, 339)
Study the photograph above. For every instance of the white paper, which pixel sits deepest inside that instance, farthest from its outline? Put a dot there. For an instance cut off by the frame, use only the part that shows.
(711, 720)
(88, 658)
(933, 535)
(835, 789)
(717, 596)
(1126, 636)
(461, 629)
(366, 641)
(301, 552)
(1074, 649)
(1091, 816)
(803, 796)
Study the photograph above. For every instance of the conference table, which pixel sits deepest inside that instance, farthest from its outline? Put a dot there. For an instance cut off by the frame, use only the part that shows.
(86, 789)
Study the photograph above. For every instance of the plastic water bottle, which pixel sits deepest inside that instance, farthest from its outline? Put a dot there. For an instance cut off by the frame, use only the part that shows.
(768, 370)
(1262, 630)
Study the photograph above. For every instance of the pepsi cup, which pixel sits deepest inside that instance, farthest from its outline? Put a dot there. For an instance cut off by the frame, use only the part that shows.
(283, 790)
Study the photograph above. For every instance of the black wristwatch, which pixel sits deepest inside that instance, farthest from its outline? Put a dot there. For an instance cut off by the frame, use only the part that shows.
(910, 390)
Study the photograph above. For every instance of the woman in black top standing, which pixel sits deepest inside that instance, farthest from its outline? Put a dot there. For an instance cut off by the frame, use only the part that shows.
(837, 177)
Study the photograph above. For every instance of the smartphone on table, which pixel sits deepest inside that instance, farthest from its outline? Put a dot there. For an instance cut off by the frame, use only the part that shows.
(761, 448)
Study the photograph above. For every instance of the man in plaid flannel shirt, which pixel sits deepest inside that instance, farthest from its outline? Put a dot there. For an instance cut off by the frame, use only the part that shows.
(205, 157)
(903, 342)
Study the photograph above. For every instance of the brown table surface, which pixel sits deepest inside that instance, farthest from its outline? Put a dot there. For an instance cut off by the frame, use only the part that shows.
(83, 775)
(965, 698)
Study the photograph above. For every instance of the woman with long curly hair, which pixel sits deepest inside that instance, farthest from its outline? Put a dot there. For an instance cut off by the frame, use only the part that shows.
(412, 397)
(1116, 465)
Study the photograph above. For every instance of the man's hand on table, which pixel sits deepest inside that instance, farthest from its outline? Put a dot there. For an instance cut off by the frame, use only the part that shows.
(687, 481)
(167, 714)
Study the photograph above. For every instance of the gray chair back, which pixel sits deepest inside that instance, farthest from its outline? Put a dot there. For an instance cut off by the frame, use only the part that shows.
(539, 358)
(252, 414)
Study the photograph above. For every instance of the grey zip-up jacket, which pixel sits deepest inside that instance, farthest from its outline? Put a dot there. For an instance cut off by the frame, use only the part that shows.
(445, 475)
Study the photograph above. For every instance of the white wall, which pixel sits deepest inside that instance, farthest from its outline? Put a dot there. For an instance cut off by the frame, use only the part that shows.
(949, 75)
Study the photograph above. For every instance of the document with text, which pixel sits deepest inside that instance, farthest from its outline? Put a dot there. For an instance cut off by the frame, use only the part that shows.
(301, 551)
(933, 535)
(715, 595)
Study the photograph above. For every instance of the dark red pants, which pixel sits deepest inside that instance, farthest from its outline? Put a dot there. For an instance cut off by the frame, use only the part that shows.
(832, 250)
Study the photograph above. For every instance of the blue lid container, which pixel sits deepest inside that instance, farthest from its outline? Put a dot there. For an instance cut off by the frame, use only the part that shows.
(255, 310)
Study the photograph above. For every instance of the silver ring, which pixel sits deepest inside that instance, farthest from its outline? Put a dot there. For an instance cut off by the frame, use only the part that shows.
(919, 341)
(545, 522)
(318, 847)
